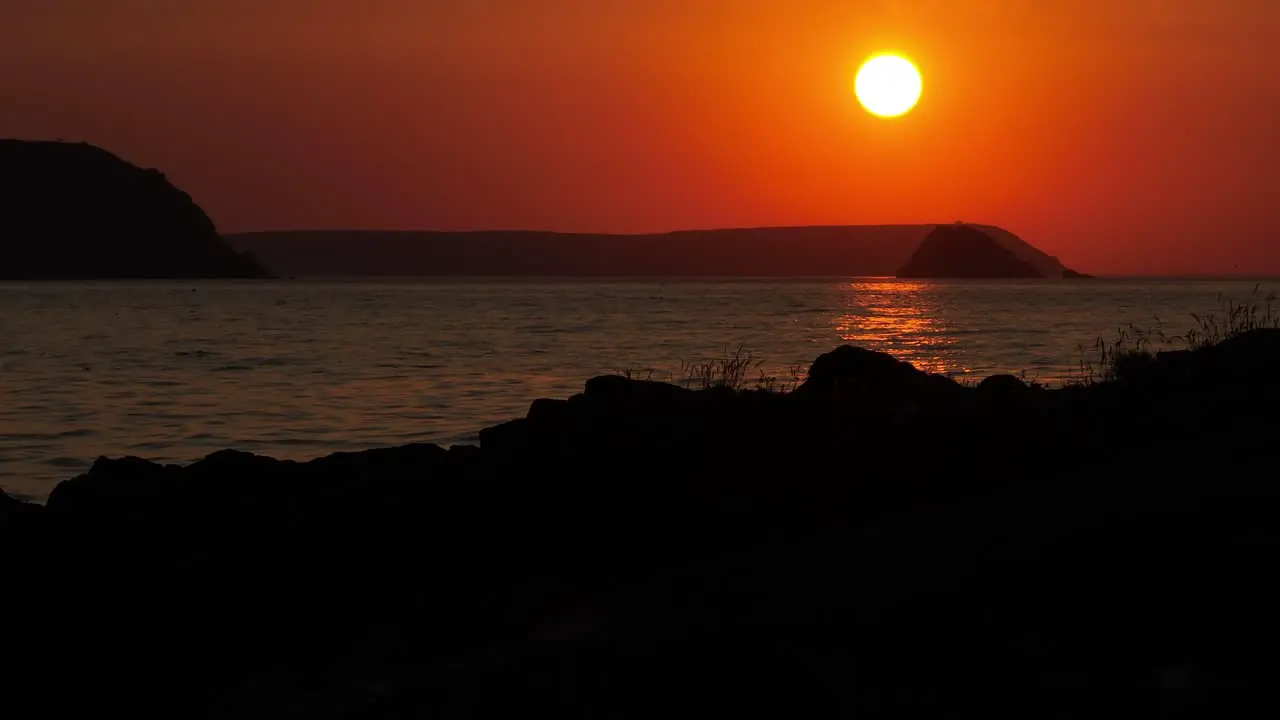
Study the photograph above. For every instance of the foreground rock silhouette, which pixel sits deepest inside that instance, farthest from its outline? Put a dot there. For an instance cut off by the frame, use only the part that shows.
(72, 211)
(880, 542)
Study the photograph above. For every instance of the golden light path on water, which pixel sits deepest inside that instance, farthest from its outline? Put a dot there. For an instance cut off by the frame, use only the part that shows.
(902, 318)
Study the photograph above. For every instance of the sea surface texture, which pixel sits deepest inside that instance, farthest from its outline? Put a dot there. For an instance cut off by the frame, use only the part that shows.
(172, 372)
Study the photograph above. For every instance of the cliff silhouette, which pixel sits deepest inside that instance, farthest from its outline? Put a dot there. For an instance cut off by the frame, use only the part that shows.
(962, 250)
(73, 211)
(814, 251)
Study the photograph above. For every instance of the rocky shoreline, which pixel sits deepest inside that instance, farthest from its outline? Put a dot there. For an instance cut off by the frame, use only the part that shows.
(879, 542)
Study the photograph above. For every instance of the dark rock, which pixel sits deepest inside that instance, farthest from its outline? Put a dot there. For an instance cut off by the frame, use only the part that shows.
(620, 392)
(16, 514)
(74, 211)
(849, 366)
(548, 411)
(507, 437)
(113, 487)
(461, 455)
(875, 380)
(233, 462)
(418, 461)
(1003, 386)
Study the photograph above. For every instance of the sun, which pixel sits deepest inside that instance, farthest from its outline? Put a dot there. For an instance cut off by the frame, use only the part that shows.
(888, 85)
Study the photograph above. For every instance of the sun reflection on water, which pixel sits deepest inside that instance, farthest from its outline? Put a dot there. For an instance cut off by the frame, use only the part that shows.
(899, 318)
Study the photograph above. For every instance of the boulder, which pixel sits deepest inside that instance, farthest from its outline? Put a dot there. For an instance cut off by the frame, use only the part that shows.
(854, 371)
(618, 392)
(116, 488)
(1003, 387)
(850, 366)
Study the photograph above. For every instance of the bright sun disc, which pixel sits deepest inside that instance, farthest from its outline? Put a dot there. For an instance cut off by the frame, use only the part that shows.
(888, 85)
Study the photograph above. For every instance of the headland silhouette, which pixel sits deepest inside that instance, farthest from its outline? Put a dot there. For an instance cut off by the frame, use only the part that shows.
(73, 211)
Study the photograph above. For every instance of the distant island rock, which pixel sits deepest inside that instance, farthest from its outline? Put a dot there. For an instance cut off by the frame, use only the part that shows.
(962, 250)
(814, 251)
(73, 211)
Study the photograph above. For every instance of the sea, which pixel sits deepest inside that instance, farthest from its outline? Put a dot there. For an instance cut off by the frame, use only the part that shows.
(172, 371)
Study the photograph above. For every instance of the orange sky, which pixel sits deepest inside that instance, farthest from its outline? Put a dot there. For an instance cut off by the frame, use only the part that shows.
(1125, 136)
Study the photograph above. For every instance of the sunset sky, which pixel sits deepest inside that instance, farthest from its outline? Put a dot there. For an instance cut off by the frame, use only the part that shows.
(1124, 136)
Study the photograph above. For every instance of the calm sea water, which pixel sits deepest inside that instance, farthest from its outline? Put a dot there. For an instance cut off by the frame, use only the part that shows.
(173, 372)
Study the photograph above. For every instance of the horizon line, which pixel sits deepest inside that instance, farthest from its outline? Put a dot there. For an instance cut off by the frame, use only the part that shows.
(609, 232)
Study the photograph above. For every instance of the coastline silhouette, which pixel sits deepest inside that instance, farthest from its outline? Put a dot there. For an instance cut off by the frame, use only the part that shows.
(845, 251)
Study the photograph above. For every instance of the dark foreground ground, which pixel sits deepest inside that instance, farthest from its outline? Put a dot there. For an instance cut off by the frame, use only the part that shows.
(880, 543)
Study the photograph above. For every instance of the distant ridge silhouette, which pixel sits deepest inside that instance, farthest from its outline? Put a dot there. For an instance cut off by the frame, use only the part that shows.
(812, 251)
(73, 211)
